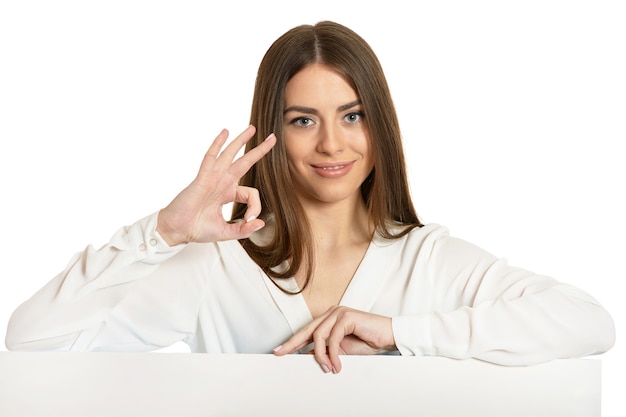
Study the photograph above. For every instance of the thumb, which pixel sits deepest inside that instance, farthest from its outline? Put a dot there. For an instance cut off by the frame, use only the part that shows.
(241, 229)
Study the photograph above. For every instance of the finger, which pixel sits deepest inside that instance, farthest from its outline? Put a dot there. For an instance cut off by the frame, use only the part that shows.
(338, 333)
(328, 337)
(214, 150)
(300, 339)
(241, 230)
(323, 329)
(320, 338)
(243, 164)
(295, 342)
(218, 142)
(230, 151)
(250, 197)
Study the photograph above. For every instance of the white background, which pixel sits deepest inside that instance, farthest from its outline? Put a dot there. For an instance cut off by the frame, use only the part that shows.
(513, 115)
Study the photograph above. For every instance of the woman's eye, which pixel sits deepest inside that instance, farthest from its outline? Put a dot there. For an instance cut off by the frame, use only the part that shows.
(354, 117)
(302, 121)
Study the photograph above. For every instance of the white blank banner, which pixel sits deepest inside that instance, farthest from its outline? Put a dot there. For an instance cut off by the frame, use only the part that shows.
(186, 384)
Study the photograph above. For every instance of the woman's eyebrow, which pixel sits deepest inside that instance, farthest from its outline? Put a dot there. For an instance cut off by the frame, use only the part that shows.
(349, 105)
(311, 110)
(301, 109)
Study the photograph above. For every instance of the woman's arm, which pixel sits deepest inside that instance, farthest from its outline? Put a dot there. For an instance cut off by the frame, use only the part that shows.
(80, 302)
(460, 301)
(80, 298)
(489, 310)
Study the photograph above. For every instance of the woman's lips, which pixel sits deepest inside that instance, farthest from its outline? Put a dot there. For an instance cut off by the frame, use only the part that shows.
(332, 169)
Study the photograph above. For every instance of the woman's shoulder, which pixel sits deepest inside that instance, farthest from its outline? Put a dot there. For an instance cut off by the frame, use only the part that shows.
(401, 235)
(432, 241)
(404, 232)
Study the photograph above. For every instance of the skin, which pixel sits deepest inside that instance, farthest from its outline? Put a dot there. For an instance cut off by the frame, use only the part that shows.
(195, 215)
(325, 135)
(328, 147)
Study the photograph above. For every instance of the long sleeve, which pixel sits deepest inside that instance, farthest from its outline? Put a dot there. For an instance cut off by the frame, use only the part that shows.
(76, 304)
(446, 297)
(480, 307)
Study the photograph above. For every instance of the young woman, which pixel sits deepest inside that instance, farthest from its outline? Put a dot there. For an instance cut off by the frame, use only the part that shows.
(324, 253)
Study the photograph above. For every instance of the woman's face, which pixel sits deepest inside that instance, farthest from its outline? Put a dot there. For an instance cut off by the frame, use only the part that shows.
(326, 137)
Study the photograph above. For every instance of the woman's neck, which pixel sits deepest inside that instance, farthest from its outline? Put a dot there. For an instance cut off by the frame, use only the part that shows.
(339, 224)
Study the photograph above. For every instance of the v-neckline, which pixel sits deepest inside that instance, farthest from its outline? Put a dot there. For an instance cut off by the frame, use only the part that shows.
(360, 294)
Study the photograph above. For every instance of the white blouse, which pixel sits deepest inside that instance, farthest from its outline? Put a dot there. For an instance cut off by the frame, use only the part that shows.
(446, 297)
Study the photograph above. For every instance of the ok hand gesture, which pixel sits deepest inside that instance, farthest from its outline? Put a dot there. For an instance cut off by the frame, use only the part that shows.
(195, 214)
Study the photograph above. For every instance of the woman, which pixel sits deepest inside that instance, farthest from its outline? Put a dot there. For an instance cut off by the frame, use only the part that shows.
(325, 252)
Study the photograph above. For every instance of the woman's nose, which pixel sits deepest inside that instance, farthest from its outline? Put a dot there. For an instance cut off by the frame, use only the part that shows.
(330, 140)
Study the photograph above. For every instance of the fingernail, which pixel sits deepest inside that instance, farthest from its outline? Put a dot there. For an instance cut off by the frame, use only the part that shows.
(325, 368)
(276, 349)
(249, 219)
(269, 136)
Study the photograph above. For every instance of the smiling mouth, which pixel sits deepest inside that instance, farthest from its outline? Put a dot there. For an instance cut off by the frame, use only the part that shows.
(333, 169)
(332, 165)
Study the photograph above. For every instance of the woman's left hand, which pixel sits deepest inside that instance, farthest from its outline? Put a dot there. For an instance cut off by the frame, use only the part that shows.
(342, 331)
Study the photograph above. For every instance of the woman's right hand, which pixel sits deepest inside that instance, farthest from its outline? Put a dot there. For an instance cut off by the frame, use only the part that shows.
(195, 215)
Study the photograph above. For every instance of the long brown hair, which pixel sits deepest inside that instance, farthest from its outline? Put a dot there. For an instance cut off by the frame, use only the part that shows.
(385, 191)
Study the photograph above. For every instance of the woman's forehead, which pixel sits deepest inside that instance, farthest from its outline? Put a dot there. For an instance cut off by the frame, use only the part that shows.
(319, 84)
